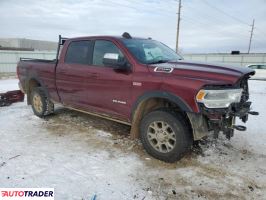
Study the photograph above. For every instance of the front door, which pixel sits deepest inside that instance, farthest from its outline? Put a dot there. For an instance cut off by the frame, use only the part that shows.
(110, 92)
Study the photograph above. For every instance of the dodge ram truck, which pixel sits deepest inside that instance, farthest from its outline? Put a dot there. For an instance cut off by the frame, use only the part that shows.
(169, 102)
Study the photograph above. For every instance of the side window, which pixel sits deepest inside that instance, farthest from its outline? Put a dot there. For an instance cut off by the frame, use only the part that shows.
(262, 66)
(253, 66)
(102, 47)
(79, 52)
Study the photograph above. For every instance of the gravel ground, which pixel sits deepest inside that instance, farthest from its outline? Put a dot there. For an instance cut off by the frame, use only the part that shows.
(80, 156)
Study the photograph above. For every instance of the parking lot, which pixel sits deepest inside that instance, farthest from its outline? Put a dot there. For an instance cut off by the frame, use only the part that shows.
(82, 156)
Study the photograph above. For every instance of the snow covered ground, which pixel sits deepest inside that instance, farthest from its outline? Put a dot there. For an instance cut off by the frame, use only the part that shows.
(80, 156)
(9, 84)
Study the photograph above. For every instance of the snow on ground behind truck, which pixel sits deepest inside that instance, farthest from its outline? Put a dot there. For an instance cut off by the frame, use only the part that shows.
(80, 155)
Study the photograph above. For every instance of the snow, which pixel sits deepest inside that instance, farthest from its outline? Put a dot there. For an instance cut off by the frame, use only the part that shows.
(9, 84)
(80, 155)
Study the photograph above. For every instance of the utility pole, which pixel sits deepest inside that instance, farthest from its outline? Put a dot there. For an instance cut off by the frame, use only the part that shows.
(178, 25)
(251, 35)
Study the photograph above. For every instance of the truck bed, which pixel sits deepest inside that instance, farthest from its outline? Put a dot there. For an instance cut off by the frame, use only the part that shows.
(40, 70)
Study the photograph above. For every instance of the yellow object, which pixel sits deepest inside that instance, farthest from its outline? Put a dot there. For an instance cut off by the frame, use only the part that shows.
(201, 94)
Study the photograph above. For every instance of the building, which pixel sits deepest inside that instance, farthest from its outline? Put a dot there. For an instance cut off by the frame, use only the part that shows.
(12, 49)
(242, 59)
(27, 44)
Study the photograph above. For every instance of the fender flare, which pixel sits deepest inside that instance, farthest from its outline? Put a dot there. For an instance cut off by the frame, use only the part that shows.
(35, 78)
(164, 95)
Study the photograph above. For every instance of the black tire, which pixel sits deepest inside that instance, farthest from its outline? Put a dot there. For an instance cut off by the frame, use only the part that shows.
(45, 106)
(178, 126)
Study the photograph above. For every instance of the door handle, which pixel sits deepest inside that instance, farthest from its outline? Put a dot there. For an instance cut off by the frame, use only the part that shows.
(92, 75)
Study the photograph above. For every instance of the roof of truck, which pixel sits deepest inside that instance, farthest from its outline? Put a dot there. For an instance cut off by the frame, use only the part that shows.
(123, 36)
(106, 36)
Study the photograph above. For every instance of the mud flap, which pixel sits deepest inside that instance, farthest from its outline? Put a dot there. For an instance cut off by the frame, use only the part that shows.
(198, 124)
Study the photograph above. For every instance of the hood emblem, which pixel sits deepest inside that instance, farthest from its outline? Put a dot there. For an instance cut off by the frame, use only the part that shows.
(163, 69)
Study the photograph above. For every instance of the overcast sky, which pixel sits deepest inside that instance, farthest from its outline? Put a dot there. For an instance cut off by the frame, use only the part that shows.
(206, 25)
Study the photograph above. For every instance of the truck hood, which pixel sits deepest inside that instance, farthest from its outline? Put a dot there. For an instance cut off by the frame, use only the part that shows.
(208, 71)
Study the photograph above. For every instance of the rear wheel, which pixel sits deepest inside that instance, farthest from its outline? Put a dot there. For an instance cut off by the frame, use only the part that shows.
(40, 103)
(165, 135)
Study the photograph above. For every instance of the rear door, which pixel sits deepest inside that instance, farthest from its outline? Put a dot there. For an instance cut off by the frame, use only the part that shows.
(73, 74)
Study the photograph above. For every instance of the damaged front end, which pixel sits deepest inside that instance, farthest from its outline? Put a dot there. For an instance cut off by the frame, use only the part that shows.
(219, 106)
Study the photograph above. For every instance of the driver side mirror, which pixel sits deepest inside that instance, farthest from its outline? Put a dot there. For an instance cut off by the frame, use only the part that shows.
(113, 60)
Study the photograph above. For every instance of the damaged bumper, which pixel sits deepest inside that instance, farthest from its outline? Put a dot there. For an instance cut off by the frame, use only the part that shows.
(219, 120)
(222, 119)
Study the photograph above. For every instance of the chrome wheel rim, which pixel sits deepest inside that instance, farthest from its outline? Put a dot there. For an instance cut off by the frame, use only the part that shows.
(37, 103)
(161, 136)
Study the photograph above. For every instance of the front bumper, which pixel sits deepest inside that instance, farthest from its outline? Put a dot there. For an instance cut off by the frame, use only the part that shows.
(240, 110)
(219, 120)
(222, 119)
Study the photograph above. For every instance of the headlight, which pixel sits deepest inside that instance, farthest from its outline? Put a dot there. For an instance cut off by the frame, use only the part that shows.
(219, 98)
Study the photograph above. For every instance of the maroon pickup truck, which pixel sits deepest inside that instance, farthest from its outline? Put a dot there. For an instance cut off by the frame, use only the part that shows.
(168, 102)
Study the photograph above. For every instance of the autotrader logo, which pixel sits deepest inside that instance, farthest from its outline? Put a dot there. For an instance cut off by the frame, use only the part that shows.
(27, 193)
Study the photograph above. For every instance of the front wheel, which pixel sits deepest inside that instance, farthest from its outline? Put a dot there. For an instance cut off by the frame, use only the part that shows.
(165, 135)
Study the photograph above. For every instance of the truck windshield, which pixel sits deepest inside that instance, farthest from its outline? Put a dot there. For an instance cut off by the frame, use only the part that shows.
(150, 51)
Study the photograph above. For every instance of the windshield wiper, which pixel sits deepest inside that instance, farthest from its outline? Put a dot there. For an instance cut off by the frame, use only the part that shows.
(158, 61)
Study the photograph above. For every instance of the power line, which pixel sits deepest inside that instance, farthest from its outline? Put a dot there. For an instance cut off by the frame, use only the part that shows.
(225, 13)
(201, 24)
(240, 21)
(212, 18)
(259, 31)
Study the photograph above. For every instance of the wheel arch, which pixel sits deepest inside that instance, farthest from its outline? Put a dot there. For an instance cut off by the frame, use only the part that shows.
(31, 83)
(151, 101)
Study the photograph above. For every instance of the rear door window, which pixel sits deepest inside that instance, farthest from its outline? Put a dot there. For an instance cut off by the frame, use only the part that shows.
(79, 52)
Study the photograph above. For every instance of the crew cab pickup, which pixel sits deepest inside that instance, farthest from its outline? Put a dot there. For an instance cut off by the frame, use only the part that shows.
(168, 102)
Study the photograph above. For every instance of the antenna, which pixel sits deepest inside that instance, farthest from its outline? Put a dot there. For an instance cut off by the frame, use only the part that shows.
(126, 35)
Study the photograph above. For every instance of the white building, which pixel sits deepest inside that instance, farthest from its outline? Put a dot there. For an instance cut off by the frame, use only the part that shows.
(36, 45)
